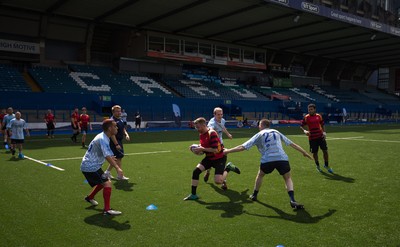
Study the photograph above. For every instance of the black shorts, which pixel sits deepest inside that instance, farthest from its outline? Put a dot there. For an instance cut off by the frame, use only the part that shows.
(218, 164)
(318, 143)
(17, 141)
(95, 178)
(84, 130)
(50, 126)
(119, 154)
(282, 166)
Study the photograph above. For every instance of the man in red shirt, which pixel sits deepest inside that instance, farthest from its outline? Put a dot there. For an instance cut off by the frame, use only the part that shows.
(84, 123)
(210, 144)
(316, 135)
(75, 124)
(50, 121)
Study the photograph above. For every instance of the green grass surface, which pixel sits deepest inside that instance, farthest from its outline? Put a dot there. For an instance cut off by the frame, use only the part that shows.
(358, 206)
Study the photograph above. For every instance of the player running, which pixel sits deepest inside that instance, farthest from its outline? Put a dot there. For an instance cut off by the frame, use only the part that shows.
(211, 145)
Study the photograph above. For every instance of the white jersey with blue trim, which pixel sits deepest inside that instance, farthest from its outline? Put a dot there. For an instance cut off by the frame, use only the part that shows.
(218, 127)
(17, 127)
(98, 149)
(269, 144)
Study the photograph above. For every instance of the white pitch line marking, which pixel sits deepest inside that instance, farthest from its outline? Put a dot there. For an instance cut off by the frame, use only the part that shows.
(345, 138)
(371, 140)
(46, 164)
(79, 158)
(361, 138)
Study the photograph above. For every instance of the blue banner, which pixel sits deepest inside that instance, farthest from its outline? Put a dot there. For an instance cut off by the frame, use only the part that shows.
(337, 15)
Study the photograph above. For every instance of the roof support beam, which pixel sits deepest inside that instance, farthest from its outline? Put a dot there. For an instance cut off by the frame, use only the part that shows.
(173, 12)
(55, 6)
(115, 10)
(239, 11)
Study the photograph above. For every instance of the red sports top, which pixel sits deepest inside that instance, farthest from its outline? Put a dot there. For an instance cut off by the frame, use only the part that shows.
(49, 117)
(84, 120)
(2, 117)
(75, 118)
(210, 139)
(314, 123)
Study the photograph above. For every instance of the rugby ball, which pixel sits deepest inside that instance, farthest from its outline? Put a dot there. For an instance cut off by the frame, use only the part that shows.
(193, 146)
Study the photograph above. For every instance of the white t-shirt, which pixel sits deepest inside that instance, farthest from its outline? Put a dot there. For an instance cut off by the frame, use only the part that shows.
(98, 149)
(269, 144)
(17, 127)
(218, 127)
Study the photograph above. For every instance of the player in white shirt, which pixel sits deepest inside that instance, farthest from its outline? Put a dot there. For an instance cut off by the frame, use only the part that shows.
(269, 144)
(16, 128)
(98, 151)
(217, 123)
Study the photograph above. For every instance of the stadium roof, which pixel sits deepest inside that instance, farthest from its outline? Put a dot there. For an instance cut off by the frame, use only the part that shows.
(258, 23)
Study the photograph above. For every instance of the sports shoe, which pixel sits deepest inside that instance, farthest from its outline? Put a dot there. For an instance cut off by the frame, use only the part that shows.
(191, 197)
(6, 146)
(107, 174)
(112, 212)
(329, 169)
(91, 201)
(224, 186)
(296, 205)
(206, 176)
(318, 169)
(253, 197)
(20, 155)
(122, 178)
(232, 167)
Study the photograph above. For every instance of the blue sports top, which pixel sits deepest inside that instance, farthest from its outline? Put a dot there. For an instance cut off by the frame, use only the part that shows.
(269, 144)
(98, 149)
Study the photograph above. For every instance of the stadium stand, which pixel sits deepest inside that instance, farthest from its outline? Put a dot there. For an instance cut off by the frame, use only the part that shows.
(95, 80)
(12, 80)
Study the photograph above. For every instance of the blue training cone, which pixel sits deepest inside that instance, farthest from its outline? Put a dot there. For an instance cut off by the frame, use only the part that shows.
(151, 207)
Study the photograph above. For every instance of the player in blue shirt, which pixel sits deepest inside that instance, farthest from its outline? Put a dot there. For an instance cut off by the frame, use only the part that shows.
(16, 128)
(6, 120)
(98, 151)
(269, 144)
(116, 141)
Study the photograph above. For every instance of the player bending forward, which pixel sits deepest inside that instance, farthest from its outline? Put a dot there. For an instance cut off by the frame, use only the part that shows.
(98, 151)
(269, 144)
(211, 145)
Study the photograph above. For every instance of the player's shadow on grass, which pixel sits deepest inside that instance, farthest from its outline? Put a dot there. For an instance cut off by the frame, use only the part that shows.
(124, 185)
(232, 208)
(300, 216)
(106, 221)
(14, 159)
(337, 177)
